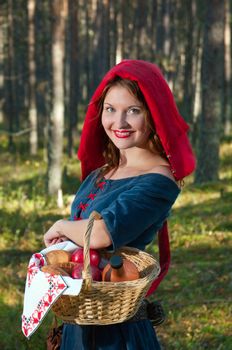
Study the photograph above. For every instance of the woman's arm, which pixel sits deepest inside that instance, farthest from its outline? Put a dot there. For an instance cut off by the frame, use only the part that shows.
(75, 230)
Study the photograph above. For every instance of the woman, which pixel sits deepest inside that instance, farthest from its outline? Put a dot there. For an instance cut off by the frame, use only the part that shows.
(133, 152)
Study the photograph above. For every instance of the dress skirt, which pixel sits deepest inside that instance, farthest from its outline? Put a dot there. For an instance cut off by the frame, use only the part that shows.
(139, 335)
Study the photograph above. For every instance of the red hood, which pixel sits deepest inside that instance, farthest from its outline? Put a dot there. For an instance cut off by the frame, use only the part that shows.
(170, 126)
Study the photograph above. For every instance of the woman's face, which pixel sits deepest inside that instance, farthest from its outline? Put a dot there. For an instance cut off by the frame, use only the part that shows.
(123, 119)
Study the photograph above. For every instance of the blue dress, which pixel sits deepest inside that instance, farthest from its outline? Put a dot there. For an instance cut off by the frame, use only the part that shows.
(133, 210)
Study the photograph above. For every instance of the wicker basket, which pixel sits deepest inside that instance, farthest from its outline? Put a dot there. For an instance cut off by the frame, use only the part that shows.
(103, 303)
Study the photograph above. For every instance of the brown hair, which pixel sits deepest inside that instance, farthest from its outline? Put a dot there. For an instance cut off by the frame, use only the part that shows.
(111, 152)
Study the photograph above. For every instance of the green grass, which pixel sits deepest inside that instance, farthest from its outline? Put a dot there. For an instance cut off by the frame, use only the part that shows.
(196, 294)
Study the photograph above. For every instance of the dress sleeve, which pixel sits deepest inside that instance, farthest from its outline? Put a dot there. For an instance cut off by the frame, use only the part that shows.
(134, 211)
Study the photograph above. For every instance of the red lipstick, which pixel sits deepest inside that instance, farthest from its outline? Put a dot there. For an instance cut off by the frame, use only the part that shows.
(122, 134)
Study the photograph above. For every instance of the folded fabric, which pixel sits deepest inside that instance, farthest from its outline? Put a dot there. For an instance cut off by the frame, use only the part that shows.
(43, 289)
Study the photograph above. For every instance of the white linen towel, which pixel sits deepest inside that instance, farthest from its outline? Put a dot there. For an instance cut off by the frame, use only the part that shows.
(43, 289)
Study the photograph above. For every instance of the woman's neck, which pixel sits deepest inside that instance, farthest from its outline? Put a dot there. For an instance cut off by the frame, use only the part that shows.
(138, 158)
(136, 162)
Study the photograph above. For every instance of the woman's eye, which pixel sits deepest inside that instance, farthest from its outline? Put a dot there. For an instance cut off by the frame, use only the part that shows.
(109, 109)
(133, 111)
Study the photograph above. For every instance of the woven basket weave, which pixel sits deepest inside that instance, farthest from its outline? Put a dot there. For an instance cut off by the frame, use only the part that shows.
(103, 303)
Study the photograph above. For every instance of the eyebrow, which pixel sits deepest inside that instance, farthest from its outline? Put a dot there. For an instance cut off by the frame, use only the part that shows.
(138, 106)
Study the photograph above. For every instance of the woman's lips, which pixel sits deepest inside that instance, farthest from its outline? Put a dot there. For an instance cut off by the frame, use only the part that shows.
(122, 134)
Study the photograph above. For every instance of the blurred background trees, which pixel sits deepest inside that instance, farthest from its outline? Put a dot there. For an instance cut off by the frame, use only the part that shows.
(53, 54)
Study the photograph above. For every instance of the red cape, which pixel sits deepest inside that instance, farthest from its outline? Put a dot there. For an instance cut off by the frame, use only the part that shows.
(170, 127)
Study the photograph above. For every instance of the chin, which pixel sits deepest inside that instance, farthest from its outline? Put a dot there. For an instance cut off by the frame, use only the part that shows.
(122, 145)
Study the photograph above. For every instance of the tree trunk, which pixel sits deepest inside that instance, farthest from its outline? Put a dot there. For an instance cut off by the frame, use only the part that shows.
(230, 99)
(173, 65)
(197, 95)
(106, 34)
(2, 49)
(113, 33)
(56, 123)
(42, 63)
(212, 84)
(227, 93)
(140, 27)
(101, 42)
(166, 27)
(10, 76)
(152, 30)
(120, 53)
(32, 80)
(188, 89)
(197, 67)
(21, 61)
(87, 53)
(73, 74)
(128, 29)
(159, 30)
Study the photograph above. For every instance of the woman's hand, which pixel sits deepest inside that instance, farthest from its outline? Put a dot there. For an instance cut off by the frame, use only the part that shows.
(55, 234)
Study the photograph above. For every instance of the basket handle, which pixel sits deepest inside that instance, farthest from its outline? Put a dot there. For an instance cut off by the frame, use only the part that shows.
(86, 273)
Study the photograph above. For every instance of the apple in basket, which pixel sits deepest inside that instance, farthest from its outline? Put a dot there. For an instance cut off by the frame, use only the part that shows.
(78, 256)
(78, 268)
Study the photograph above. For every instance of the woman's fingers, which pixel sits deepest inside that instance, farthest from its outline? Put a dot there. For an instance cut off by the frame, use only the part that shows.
(55, 241)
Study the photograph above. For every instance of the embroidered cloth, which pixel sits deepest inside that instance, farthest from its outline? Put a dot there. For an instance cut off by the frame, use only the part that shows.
(43, 289)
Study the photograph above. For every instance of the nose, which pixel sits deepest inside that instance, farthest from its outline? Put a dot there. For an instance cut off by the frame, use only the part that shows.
(121, 121)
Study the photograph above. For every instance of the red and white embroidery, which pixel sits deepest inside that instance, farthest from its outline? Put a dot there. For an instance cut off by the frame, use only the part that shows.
(36, 262)
(56, 287)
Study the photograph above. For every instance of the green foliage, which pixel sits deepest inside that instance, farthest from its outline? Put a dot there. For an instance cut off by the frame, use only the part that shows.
(196, 294)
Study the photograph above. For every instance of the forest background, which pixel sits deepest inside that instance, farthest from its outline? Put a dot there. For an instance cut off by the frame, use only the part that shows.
(53, 54)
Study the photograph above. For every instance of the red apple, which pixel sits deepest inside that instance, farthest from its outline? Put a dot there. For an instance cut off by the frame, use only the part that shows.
(95, 257)
(95, 272)
(77, 271)
(77, 256)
